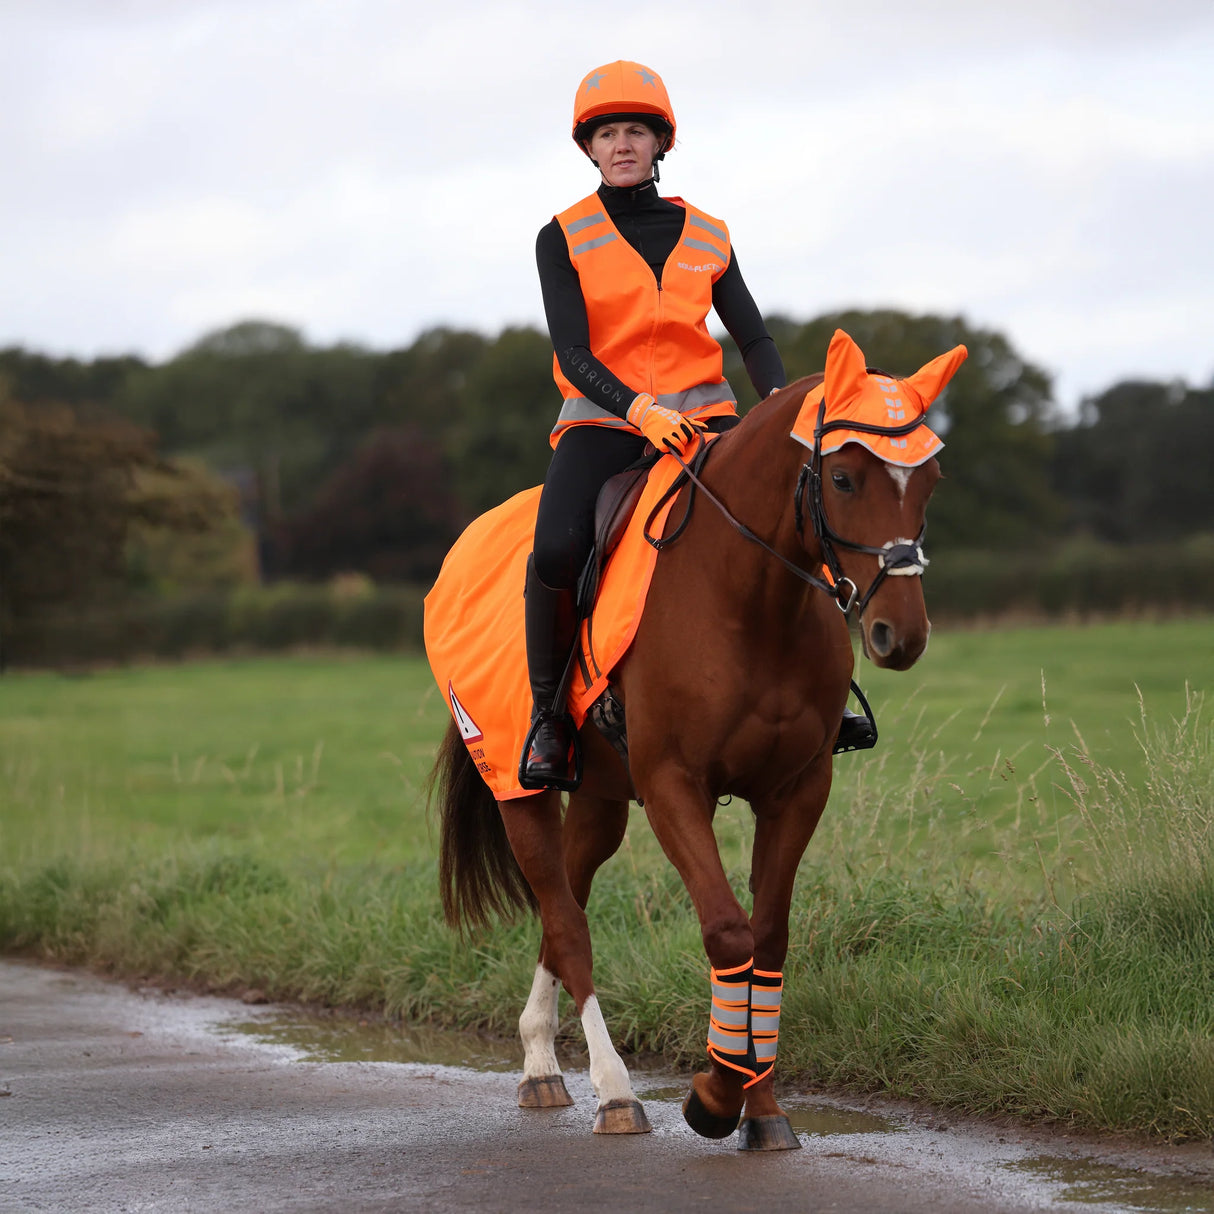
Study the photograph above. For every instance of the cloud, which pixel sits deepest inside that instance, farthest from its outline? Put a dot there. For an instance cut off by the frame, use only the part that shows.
(365, 170)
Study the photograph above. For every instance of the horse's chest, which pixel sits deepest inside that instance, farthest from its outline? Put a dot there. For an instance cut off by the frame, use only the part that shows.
(781, 730)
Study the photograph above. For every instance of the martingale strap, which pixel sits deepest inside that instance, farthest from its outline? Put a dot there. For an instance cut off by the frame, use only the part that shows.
(744, 1024)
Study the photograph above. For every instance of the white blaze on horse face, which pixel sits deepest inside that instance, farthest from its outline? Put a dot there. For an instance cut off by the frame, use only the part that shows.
(538, 1024)
(608, 1074)
(901, 477)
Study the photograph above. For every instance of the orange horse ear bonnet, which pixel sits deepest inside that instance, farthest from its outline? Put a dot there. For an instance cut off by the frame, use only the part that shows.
(852, 394)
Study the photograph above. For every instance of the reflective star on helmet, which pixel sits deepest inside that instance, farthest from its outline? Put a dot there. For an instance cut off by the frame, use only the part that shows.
(593, 81)
(647, 77)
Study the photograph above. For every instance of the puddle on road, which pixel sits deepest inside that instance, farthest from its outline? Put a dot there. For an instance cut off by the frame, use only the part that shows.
(1069, 1182)
(338, 1039)
(1087, 1182)
(806, 1116)
(823, 1120)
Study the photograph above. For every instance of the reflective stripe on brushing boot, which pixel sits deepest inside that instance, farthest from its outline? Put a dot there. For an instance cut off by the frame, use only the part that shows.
(766, 988)
(729, 1039)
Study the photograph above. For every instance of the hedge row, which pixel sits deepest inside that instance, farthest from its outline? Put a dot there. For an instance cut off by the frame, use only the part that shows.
(1079, 578)
(1076, 579)
(252, 619)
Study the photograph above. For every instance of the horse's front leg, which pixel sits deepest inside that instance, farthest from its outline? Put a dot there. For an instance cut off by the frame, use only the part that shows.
(681, 816)
(782, 832)
(533, 826)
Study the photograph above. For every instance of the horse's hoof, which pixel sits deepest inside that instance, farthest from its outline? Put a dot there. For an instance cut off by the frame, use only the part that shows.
(772, 1133)
(621, 1117)
(547, 1092)
(706, 1123)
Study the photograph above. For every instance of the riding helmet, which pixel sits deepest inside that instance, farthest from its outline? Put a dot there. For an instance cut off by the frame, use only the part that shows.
(619, 92)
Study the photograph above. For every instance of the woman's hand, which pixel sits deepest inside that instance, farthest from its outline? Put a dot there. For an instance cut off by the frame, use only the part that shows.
(667, 429)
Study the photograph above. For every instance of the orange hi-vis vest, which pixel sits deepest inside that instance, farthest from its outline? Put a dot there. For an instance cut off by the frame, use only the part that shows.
(653, 339)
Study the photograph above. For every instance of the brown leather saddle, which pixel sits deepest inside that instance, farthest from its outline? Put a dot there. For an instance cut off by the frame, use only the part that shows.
(614, 508)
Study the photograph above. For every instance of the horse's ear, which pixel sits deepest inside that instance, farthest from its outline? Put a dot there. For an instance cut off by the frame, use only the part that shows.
(929, 381)
(845, 371)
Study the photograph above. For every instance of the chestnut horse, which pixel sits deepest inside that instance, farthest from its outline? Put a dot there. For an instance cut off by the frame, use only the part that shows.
(734, 685)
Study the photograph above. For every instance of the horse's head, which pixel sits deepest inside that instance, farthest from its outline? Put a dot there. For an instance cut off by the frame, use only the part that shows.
(866, 489)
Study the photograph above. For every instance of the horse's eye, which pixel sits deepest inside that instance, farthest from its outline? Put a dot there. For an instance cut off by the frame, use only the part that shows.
(841, 481)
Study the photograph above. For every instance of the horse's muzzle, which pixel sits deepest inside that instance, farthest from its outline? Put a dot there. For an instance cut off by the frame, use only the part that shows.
(892, 647)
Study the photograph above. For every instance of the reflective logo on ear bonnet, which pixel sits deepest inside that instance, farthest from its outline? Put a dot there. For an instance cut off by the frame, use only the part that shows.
(852, 394)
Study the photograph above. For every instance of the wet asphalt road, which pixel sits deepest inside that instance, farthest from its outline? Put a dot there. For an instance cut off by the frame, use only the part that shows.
(115, 1099)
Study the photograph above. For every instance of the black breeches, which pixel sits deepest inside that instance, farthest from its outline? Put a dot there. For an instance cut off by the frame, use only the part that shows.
(584, 459)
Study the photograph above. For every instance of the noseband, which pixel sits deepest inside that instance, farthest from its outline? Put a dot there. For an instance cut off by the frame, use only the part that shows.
(898, 558)
(901, 558)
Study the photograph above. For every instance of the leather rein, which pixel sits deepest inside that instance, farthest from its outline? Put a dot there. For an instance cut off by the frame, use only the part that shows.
(897, 557)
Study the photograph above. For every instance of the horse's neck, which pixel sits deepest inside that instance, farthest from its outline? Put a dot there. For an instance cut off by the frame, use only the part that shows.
(756, 476)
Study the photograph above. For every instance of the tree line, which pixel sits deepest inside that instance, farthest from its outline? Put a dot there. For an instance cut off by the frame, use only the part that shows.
(256, 453)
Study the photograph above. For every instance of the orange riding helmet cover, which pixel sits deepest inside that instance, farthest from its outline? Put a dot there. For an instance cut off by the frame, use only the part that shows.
(622, 87)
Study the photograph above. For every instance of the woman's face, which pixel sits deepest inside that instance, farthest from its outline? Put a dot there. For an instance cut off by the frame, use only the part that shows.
(625, 152)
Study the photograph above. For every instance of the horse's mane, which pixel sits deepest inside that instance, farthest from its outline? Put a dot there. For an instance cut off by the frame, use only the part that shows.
(759, 414)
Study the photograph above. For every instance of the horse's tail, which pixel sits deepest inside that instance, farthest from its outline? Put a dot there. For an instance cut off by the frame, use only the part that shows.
(478, 876)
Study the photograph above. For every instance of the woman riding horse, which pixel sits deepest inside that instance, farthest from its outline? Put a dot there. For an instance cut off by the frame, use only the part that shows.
(628, 278)
(832, 473)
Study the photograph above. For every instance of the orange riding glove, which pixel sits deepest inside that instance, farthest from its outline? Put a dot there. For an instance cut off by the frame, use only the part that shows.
(667, 429)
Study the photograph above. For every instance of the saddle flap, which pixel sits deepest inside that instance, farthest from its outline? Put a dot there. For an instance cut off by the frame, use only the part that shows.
(616, 501)
(613, 508)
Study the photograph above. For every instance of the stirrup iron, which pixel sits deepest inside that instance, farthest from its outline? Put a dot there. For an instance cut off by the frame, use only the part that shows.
(868, 742)
(564, 783)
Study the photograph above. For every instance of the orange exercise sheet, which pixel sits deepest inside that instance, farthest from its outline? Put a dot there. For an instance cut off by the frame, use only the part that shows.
(474, 626)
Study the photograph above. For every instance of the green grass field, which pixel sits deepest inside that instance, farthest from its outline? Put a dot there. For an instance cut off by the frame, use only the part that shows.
(1008, 906)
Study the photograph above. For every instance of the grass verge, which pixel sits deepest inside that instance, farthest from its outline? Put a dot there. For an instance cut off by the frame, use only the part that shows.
(1037, 945)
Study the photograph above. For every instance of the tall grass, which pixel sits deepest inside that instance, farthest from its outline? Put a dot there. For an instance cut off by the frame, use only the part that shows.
(980, 922)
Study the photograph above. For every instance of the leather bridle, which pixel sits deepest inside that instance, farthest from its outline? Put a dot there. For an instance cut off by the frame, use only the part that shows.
(898, 557)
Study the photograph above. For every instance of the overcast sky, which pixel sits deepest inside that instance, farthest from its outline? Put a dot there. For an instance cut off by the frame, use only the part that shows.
(366, 169)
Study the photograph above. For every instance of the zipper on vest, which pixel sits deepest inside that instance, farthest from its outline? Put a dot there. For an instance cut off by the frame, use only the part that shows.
(653, 343)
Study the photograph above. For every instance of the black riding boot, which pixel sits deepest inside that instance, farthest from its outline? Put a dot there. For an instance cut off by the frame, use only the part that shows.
(551, 622)
(856, 732)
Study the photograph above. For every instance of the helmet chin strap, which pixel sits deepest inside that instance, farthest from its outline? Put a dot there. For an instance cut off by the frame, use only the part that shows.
(657, 175)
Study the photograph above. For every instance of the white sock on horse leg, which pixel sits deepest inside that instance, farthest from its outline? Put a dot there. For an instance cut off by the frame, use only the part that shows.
(607, 1072)
(538, 1024)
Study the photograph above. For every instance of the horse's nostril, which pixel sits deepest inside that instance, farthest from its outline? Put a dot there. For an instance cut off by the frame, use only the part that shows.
(881, 639)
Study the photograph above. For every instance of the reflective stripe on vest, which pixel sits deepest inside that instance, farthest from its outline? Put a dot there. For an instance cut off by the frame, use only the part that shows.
(696, 402)
(652, 340)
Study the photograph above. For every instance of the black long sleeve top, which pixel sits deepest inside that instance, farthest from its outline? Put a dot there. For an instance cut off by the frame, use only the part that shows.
(652, 225)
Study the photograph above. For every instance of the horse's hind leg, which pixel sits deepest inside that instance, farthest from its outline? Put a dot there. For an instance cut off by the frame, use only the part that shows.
(542, 1085)
(594, 830)
(533, 825)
